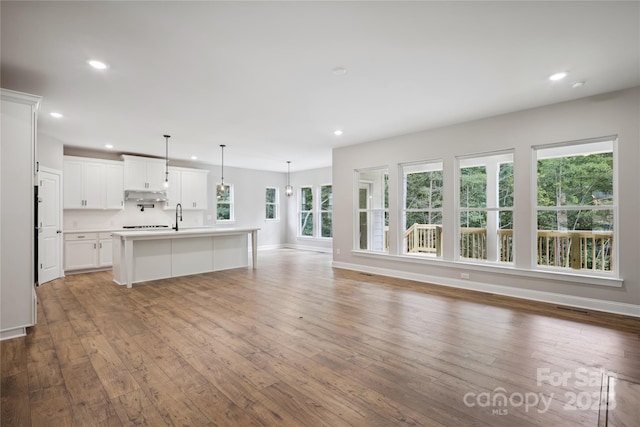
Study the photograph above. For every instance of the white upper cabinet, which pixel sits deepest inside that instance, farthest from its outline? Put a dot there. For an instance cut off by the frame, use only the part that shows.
(92, 183)
(194, 189)
(187, 187)
(174, 191)
(143, 174)
(114, 188)
(83, 184)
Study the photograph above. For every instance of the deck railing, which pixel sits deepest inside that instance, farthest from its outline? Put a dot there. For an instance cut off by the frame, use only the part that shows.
(580, 250)
(424, 238)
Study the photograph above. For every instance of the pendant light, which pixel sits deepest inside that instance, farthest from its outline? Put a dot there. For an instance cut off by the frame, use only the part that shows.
(166, 159)
(222, 187)
(288, 190)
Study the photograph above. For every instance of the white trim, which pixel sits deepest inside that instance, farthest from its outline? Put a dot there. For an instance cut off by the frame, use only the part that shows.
(271, 247)
(499, 268)
(8, 334)
(309, 248)
(548, 297)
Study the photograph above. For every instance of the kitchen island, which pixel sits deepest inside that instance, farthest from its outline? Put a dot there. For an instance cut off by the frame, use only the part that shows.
(140, 256)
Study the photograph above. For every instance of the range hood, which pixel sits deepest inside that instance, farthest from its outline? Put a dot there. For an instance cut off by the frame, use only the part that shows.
(145, 196)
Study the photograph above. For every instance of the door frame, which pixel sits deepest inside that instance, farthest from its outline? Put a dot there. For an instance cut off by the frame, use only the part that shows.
(60, 213)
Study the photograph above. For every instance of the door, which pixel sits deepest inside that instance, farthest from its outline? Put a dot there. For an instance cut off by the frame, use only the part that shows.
(49, 226)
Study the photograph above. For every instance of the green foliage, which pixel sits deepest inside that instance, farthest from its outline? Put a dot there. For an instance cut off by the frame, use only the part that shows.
(270, 211)
(306, 224)
(223, 211)
(473, 187)
(270, 195)
(326, 207)
(223, 203)
(574, 182)
(506, 187)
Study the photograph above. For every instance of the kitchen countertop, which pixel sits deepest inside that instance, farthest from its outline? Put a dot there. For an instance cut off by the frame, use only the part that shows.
(182, 232)
(94, 230)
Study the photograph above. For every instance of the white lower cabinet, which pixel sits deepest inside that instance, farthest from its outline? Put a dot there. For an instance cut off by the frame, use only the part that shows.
(106, 250)
(85, 251)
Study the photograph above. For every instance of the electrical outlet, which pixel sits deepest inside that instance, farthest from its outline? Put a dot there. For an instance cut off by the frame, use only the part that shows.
(464, 276)
(338, 251)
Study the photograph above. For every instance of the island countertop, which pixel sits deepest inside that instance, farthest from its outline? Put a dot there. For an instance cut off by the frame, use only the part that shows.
(143, 255)
(182, 232)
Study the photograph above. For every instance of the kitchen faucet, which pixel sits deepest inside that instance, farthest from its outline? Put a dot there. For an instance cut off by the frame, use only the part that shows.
(178, 206)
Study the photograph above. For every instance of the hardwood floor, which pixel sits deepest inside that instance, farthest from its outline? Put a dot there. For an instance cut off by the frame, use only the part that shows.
(297, 343)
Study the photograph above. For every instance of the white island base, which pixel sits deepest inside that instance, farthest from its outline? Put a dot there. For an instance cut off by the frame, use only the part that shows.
(140, 256)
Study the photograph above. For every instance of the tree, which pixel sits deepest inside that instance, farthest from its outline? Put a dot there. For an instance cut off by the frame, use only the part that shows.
(575, 182)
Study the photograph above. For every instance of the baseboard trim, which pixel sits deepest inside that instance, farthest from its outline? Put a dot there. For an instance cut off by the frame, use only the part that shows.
(309, 248)
(13, 333)
(528, 294)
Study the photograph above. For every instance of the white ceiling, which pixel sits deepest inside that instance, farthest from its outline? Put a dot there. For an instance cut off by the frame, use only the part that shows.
(257, 76)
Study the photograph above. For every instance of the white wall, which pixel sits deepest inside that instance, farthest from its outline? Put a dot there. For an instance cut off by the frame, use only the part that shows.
(310, 178)
(49, 152)
(615, 113)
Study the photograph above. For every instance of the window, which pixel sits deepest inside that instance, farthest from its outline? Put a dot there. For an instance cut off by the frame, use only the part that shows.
(224, 203)
(422, 208)
(372, 214)
(576, 206)
(326, 211)
(271, 203)
(306, 212)
(485, 206)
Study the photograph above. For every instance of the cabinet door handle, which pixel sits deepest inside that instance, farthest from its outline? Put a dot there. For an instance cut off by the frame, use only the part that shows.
(80, 237)
(121, 202)
(100, 245)
(94, 246)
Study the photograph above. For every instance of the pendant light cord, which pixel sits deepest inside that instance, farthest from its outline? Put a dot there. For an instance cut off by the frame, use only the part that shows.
(222, 167)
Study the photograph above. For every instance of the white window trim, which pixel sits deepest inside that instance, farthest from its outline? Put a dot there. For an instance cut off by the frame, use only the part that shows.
(231, 204)
(356, 207)
(403, 211)
(276, 204)
(300, 212)
(320, 212)
(459, 209)
(614, 275)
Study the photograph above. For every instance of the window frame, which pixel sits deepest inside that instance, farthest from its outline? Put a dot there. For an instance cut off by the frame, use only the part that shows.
(321, 211)
(302, 211)
(404, 210)
(275, 204)
(231, 204)
(358, 211)
(496, 208)
(614, 273)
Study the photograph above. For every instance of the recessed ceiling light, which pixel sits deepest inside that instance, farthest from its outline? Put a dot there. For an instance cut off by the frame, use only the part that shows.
(337, 132)
(558, 76)
(578, 84)
(194, 157)
(109, 146)
(339, 71)
(56, 115)
(98, 65)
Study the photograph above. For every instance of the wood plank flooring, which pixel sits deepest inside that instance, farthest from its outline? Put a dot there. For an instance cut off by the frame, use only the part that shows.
(297, 343)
